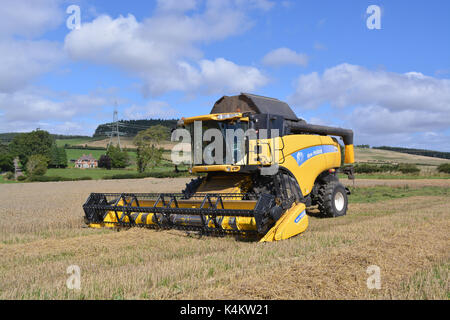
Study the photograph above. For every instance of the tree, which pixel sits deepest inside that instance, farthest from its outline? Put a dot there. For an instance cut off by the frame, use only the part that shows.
(37, 165)
(444, 167)
(119, 158)
(105, 162)
(62, 157)
(6, 162)
(58, 157)
(3, 148)
(148, 152)
(25, 145)
(342, 154)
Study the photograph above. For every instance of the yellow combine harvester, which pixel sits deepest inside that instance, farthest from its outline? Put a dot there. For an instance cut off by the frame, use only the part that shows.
(262, 172)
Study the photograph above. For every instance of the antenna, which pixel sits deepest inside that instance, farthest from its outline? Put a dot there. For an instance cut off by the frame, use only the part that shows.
(115, 127)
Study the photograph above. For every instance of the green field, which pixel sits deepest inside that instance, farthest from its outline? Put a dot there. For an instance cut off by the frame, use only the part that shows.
(97, 173)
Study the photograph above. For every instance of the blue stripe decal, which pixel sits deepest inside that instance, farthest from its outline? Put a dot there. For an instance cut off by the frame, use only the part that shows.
(300, 216)
(304, 155)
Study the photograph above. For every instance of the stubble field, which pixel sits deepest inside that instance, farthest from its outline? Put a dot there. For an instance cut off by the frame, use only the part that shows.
(402, 226)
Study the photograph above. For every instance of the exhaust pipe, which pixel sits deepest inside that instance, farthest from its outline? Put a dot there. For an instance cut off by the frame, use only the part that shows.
(346, 134)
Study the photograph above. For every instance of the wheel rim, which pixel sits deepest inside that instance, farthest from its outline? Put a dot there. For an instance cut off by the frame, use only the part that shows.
(339, 201)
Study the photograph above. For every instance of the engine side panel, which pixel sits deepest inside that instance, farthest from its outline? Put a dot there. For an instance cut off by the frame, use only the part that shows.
(307, 156)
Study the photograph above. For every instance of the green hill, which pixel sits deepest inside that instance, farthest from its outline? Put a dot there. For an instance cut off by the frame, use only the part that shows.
(387, 156)
(130, 128)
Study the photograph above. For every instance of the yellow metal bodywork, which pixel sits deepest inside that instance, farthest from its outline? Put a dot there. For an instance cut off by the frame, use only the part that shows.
(217, 117)
(278, 151)
(307, 173)
(349, 154)
(217, 167)
(263, 152)
(293, 222)
(238, 223)
(238, 184)
(282, 148)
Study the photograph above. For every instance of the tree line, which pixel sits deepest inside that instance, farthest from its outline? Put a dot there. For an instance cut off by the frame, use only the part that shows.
(6, 138)
(36, 151)
(419, 152)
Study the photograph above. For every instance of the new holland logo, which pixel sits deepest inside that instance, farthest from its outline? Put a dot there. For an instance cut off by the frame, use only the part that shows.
(300, 216)
(304, 155)
(299, 157)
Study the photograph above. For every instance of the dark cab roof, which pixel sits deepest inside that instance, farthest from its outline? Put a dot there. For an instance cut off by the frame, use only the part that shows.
(246, 102)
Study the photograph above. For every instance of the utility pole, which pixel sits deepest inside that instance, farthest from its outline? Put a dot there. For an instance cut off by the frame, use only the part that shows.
(115, 127)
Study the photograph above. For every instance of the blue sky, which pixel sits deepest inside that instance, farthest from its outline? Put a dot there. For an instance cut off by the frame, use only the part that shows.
(169, 59)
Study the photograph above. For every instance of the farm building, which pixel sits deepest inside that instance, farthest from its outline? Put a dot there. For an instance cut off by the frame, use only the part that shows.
(86, 162)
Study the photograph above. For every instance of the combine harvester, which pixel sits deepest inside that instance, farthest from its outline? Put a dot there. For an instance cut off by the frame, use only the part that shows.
(261, 190)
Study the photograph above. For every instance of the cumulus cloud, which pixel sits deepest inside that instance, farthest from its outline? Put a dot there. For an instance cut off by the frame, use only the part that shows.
(29, 17)
(22, 61)
(163, 50)
(383, 107)
(376, 119)
(348, 84)
(206, 76)
(285, 56)
(223, 73)
(25, 110)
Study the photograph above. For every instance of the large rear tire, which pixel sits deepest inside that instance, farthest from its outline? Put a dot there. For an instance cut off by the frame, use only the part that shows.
(332, 199)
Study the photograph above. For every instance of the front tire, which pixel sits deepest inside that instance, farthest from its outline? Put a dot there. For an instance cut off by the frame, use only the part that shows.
(332, 199)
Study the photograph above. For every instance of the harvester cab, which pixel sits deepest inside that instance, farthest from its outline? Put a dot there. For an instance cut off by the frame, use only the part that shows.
(260, 167)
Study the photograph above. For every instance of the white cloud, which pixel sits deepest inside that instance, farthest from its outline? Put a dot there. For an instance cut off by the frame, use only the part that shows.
(22, 61)
(29, 17)
(376, 120)
(285, 56)
(382, 107)
(28, 109)
(223, 73)
(153, 109)
(209, 77)
(164, 50)
(67, 127)
(347, 84)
